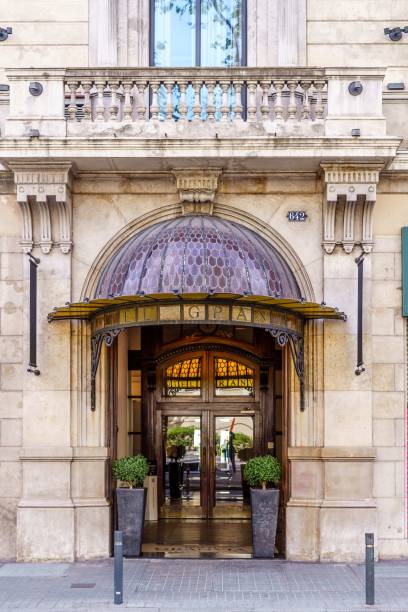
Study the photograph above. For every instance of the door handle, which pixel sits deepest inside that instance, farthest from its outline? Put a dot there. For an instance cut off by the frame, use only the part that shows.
(213, 460)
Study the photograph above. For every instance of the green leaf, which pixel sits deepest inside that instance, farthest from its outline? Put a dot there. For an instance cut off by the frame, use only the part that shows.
(260, 470)
(132, 470)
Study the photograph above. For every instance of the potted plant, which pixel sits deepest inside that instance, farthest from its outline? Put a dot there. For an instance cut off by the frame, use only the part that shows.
(260, 472)
(131, 501)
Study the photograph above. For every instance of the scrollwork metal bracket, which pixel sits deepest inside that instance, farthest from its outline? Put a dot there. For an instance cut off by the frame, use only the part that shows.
(296, 346)
(96, 346)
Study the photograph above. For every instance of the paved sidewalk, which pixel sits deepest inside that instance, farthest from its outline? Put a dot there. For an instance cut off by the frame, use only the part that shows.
(194, 585)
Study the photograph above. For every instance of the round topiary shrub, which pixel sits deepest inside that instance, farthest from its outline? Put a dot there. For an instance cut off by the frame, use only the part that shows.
(261, 471)
(132, 470)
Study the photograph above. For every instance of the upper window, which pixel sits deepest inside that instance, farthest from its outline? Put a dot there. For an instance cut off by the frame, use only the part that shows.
(198, 33)
(183, 378)
(233, 378)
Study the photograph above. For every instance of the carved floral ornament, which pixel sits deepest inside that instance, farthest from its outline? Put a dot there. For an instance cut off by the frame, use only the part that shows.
(356, 187)
(43, 191)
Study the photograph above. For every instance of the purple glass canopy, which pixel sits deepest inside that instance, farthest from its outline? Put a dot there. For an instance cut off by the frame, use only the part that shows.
(197, 254)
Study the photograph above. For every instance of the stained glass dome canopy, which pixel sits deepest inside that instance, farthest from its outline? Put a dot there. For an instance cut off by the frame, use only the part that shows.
(198, 254)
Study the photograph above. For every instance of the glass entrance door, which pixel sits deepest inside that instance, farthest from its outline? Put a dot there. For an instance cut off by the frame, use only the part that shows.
(182, 466)
(204, 456)
(233, 440)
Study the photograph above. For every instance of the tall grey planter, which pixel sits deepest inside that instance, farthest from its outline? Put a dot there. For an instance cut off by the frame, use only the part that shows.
(264, 508)
(131, 505)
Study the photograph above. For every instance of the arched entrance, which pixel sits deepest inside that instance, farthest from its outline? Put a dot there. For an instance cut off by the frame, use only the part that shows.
(206, 321)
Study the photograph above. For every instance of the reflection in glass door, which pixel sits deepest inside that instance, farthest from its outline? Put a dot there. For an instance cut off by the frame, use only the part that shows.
(234, 445)
(182, 466)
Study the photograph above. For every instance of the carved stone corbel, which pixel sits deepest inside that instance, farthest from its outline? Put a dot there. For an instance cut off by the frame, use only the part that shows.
(42, 187)
(45, 240)
(348, 221)
(197, 189)
(353, 183)
(368, 209)
(329, 241)
(27, 233)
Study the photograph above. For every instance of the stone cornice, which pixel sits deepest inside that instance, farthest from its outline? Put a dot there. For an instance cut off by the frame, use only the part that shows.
(322, 147)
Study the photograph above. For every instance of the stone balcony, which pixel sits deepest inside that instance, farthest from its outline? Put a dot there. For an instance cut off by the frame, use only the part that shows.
(196, 113)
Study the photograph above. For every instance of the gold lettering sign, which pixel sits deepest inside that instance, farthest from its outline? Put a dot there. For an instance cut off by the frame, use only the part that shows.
(128, 315)
(278, 319)
(241, 314)
(170, 313)
(99, 322)
(193, 312)
(262, 316)
(112, 318)
(147, 313)
(217, 312)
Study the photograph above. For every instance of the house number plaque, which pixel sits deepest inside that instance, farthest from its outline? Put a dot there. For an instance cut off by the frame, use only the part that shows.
(297, 216)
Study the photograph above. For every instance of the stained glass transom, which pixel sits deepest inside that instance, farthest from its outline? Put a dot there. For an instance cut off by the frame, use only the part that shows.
(233, 378)
(183, 377)
(197, 254)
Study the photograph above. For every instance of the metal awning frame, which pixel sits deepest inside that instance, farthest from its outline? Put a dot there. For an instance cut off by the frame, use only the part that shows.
(283, 318)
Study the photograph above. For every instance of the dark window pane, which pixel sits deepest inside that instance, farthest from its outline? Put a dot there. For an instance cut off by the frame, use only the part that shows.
(221, 32)
(174, 33)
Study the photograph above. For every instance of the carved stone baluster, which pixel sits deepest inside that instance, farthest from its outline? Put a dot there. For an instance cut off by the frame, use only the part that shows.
(127, 107)
(292, 85)
(225, 85)
(279, 85)
(141, 106)
(238, 101)
(87, 86)
(100, 106)
(154, 109)
(114, 108)
(265, 100)
(169, 100)
(306, 103)
(197, 100)
(319, 110)
(252, 87)
(72, 109)
(210, 105)
(183, 102)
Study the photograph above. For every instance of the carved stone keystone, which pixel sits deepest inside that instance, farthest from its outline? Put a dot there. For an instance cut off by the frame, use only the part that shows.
(197, 189)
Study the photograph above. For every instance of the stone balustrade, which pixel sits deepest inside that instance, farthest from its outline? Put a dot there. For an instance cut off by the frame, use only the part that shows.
(195, 102)
(221, 98)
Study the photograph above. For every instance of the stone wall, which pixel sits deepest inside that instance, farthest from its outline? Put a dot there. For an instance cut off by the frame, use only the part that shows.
(11, 360)
(46, 34)
(389, 369)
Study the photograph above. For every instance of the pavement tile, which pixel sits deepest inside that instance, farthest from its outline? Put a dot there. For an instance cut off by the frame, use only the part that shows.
(196, 585)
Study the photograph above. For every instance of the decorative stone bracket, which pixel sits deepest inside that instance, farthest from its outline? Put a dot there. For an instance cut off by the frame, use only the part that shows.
(197, 189)
(354, 184)
(41, 189)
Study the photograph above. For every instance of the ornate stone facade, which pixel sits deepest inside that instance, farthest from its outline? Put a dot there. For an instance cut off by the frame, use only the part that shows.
(95, 159)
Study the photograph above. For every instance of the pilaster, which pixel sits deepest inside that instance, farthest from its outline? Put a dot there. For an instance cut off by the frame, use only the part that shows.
(103, 32)
(45, 513)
